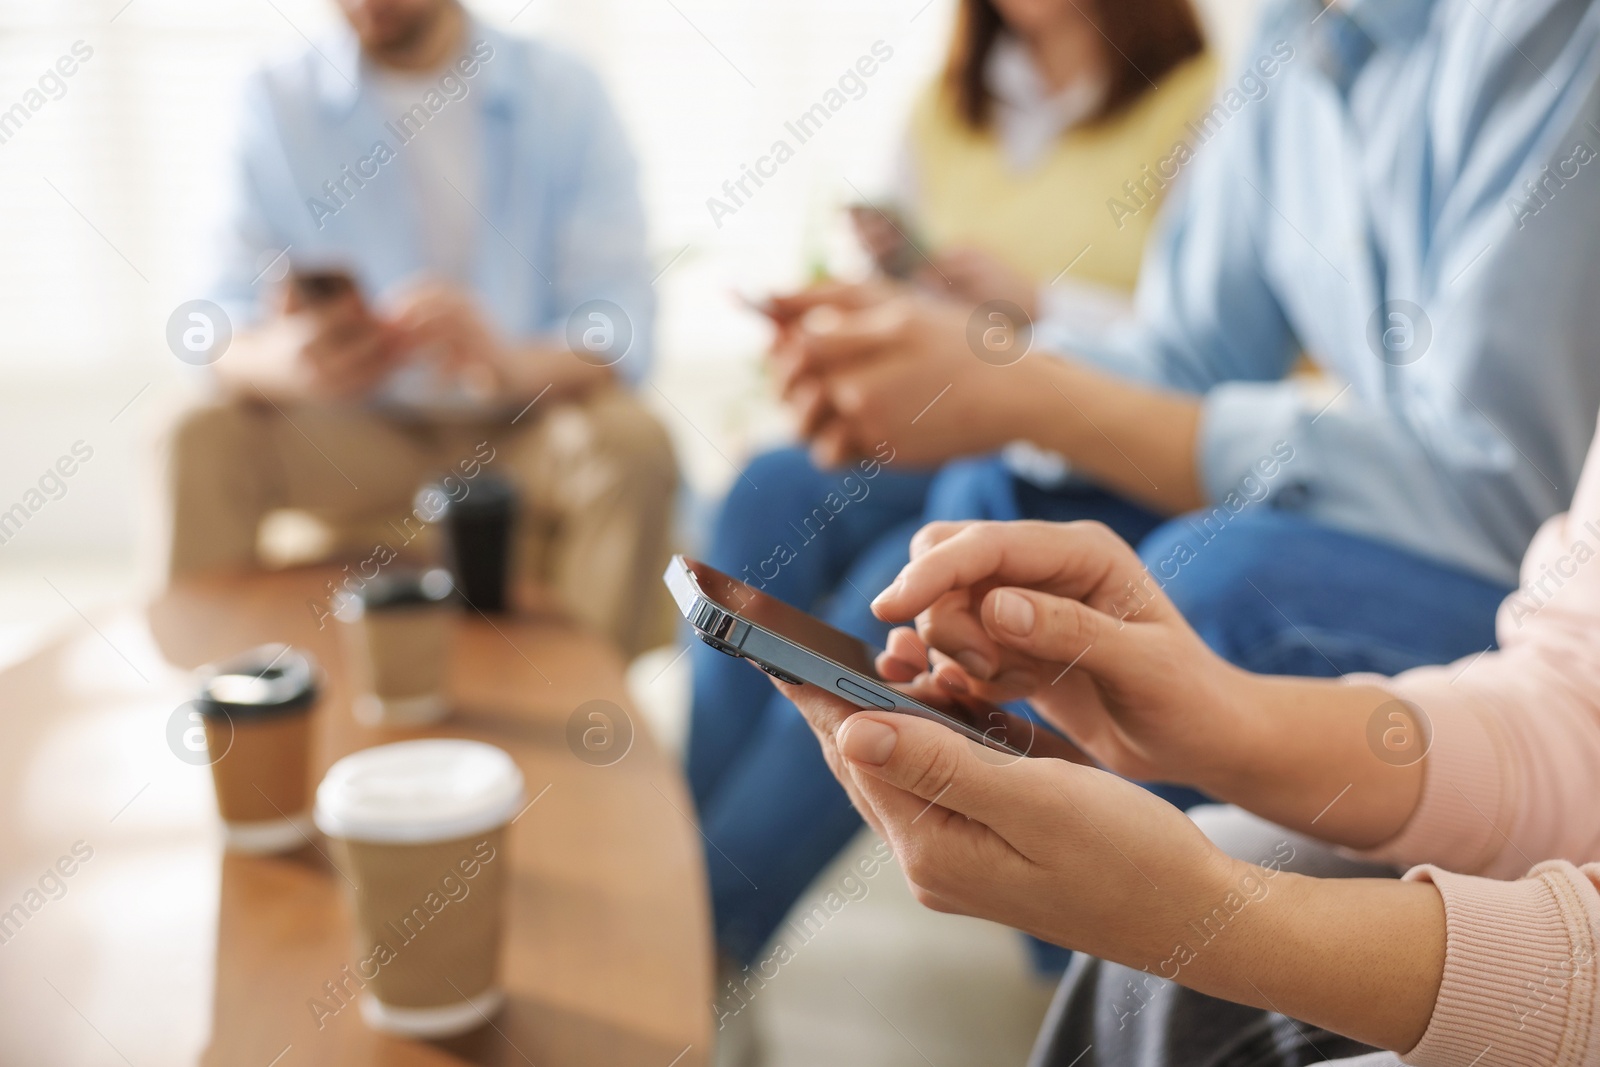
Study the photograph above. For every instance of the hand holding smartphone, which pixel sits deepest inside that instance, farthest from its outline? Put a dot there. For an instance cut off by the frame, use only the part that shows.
(348, 349)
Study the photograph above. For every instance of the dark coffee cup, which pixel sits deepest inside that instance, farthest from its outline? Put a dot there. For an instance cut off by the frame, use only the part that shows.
(256, 711)
(478, 530)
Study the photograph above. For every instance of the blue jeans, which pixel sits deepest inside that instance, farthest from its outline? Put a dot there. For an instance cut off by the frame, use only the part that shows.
(1276, 593)
(754, 770)
(1270, 591)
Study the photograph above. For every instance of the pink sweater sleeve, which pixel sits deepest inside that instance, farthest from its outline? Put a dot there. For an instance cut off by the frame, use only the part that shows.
(1511, 772)
(1519, 983)
(1510, 784)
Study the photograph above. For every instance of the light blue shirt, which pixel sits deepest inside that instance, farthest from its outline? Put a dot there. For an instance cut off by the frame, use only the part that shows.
(1391, 157)
(556, 206)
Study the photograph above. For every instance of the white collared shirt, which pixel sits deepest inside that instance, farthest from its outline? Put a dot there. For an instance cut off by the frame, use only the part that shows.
(1029, 116)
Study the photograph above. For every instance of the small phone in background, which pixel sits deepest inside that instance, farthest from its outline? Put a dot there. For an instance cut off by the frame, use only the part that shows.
(315, 288)
(890, 239)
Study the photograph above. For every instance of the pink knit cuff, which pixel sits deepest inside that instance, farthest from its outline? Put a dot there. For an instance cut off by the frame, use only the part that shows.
(1519, 973)
(1461, 819)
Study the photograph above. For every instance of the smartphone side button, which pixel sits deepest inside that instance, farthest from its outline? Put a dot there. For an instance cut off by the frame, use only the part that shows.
(861, 692)
(720, 646)
(779, 675)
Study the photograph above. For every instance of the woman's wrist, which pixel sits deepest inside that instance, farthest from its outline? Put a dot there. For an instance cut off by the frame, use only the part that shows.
(1301, 753)
(1237, 739)
(1250, 717)
(1219, 892)
(1359, 956)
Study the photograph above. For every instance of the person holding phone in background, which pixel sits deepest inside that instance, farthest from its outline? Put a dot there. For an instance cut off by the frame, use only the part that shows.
(435, 242)
(999, 187)
(1448, 294)
(1043, 106)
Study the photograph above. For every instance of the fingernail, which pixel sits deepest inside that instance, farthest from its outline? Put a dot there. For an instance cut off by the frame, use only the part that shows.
(894, 587)
(867, 740)
(976, 665)
(1013, 612)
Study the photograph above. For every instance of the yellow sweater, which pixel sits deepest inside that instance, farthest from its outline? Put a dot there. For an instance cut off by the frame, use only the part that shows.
(1041, 219)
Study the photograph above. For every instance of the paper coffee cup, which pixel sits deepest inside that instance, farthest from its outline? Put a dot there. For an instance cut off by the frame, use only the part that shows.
(256, 712)
(400, 628)
(418, 829)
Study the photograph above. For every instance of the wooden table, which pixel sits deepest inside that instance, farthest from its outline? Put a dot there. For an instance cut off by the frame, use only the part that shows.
(158, 949)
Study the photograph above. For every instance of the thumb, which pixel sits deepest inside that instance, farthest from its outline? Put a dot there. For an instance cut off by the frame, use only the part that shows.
(1056, 629)
(931, 771)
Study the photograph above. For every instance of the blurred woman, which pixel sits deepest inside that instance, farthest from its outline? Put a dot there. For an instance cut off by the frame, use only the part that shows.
(1032, 168)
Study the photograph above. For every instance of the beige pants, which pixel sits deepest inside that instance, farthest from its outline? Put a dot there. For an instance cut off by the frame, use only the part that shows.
(595, 480)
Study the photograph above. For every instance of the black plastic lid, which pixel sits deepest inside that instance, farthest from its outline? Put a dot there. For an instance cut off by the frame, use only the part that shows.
(407, 587)
(267, 680)
(486, 496)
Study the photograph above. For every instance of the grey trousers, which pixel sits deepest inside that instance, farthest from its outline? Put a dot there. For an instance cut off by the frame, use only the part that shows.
(1107, 1015)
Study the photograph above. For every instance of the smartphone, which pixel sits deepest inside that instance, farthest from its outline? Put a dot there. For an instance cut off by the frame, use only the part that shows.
(314, 287)
(897, 249)
(739, 620)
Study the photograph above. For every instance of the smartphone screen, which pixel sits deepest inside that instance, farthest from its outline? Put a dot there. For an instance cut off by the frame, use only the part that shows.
(891, 245)
(1016, 733)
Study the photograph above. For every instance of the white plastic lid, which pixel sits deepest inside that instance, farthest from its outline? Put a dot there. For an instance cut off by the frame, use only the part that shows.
(413, 792)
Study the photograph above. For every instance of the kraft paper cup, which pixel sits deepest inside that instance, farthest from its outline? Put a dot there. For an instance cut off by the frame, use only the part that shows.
(418, 828)
(256, 712)
(399, 630)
